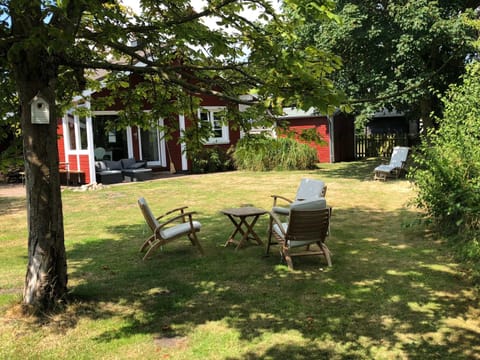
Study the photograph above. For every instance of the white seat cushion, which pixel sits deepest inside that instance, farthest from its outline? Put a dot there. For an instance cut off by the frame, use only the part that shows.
(385, 168)
(316, 204)
(278, 230)
(183, 228)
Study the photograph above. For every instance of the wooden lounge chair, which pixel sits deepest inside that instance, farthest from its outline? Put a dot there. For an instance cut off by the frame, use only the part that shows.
(167, 231)
(309, 189)
(308, 224)
(395, 167)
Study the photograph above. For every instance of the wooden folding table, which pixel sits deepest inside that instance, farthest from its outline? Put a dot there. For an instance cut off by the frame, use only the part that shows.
(244, 219)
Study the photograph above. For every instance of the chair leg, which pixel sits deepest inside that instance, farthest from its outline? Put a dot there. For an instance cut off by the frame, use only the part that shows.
(147, 242)
(326, 253)
(269, 240)
(287, 257)
(153, 246)
(194, 240)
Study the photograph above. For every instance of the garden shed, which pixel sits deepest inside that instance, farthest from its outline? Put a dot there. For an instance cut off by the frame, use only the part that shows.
(337, 131)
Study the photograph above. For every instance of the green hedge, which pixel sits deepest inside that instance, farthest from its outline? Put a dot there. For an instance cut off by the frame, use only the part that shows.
(212, 159)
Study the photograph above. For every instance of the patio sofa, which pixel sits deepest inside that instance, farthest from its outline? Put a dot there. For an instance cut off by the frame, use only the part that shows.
(110, 172)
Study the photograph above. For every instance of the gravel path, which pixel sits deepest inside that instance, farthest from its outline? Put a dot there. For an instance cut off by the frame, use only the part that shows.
(12, 190)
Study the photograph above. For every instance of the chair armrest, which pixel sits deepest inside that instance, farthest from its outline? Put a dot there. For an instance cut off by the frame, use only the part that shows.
(275, 219)
(181, 209)
(279, 197)
(178, 217)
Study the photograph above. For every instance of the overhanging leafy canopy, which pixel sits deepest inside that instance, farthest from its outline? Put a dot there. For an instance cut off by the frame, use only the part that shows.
(397, 54)
(171, 46)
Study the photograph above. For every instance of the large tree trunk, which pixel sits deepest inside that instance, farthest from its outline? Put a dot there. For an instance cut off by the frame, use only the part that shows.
(35, 70)
(46, 277)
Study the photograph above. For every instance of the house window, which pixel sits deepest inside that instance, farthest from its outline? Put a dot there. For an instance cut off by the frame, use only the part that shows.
(114, 141)
(150, 145)
(77, 133)
(216, 121)
(82, 122)
(71, 132)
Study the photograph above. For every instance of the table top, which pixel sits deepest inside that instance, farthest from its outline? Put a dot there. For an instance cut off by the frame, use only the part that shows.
(244, 211)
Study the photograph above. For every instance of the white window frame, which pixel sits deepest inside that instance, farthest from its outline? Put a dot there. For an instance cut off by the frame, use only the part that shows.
(77, 130)
(160, 135)
(128, 129)
(160, 146)
(77, 151)
(211, 110)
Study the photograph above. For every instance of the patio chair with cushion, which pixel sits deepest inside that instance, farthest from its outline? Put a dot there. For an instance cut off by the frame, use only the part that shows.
(176, 223)
(308, 224)
(99, 153)
(395, 167)
(105, 175)
(309, 189)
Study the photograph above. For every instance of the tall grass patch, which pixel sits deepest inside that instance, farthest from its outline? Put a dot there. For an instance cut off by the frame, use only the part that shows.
(264, 154)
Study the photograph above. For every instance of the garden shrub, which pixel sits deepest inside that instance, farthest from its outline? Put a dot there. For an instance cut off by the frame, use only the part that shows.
(212, 159)
(261, 153)
(448, 172)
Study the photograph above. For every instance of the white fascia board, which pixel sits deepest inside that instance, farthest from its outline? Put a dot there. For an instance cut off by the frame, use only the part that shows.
(294, 112)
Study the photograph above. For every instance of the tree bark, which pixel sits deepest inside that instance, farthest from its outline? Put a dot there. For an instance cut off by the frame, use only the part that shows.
(46, 277)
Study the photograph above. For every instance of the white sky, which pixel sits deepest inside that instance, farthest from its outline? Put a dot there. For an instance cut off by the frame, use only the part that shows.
(133, 4)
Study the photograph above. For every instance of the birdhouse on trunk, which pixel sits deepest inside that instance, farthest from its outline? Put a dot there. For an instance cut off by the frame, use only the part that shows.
(40, 110)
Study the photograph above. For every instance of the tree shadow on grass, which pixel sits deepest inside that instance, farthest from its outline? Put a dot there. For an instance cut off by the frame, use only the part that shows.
(390, 292)
(359, 170)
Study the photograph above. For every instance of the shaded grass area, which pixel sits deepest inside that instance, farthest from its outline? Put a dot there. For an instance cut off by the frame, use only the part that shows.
(393, 291)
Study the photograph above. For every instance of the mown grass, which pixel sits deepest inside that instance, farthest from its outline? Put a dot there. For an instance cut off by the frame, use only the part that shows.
(394, 291)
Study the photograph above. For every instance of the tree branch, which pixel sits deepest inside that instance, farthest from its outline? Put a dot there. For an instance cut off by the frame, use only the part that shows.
(173, 79)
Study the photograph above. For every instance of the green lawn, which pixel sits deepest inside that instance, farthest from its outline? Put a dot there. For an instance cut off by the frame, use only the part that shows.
(394, 291)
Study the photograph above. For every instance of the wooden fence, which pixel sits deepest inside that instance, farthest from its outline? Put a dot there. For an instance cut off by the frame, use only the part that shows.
(378, 144)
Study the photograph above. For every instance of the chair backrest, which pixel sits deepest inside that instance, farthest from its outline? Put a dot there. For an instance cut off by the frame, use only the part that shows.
(147, 214)
(310, 189)
(399, 156)
(99, 153)
(309, 221)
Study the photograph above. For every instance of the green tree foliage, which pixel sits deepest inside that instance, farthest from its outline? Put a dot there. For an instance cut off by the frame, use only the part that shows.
(397, 54)
(448, 174)
(55, 47)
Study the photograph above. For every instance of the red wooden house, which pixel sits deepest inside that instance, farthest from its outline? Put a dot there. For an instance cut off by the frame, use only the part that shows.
(337, 131)
(80, 136)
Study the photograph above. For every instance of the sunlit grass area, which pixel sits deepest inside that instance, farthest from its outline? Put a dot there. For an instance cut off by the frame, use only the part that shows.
(394, 291)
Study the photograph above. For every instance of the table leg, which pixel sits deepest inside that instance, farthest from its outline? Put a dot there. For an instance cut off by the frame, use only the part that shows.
(231, 238)
(252, 232)
(247, 234)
